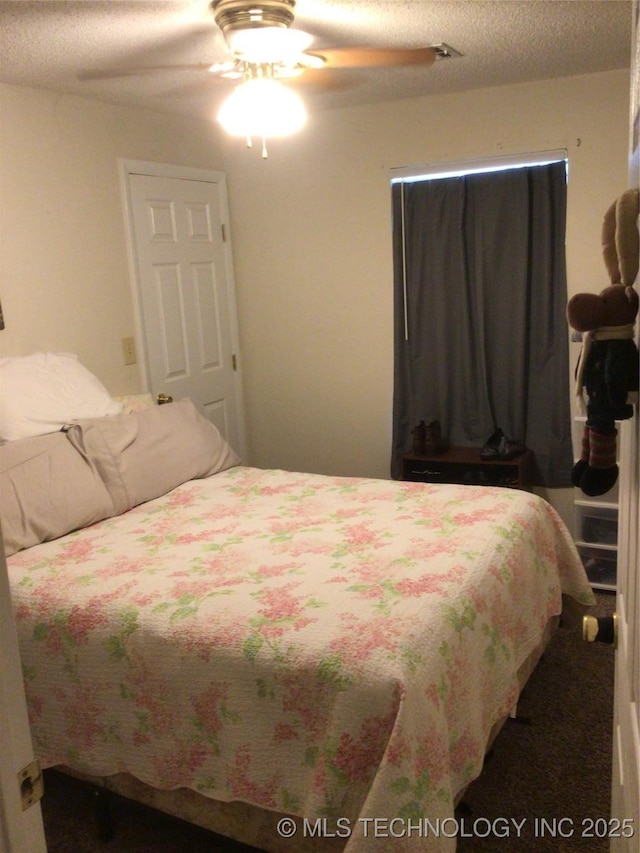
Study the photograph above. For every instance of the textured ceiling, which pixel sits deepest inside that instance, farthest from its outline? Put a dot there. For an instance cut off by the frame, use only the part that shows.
(105, 49)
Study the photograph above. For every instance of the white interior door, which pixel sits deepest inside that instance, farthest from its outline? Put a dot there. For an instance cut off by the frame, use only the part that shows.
(625, 793)
(20, 830)
(179, 235)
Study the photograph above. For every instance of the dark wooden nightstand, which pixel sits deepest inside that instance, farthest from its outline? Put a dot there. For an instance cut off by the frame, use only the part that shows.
(464, 465)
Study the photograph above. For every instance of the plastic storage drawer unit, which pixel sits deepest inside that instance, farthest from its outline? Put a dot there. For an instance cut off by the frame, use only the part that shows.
(600, 565)
(598, 525)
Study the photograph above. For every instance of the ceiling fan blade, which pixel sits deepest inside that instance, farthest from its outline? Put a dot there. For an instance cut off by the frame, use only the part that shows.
(320, 81)
(135, 71)
(370, 57)
(173, 45)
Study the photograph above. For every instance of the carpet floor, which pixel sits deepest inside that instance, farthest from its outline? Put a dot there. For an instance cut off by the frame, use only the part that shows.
(545, 783)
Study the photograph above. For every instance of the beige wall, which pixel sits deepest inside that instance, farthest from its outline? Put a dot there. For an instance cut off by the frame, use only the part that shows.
(64, 276)
(311, 232)
(312, 237)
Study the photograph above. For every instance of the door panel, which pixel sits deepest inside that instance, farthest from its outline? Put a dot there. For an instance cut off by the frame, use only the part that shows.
(207, 317)
(170, 323)
(184, 294)
(625, 793)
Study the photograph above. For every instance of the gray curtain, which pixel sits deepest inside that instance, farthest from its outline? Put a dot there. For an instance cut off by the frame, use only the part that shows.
(481, 338)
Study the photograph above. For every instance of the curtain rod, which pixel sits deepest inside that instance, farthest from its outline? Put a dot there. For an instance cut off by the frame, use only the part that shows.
(477, 164)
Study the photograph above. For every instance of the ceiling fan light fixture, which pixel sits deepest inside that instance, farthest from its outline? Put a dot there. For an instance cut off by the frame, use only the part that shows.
(267, 44)
(232, 15)
(261, 107)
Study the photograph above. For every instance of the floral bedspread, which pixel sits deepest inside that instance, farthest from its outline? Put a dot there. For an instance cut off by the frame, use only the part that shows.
(332, 648)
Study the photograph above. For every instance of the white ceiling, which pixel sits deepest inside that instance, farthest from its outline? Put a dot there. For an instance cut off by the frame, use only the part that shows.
(68, 46)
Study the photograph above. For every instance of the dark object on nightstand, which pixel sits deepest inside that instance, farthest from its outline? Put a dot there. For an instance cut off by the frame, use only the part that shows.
(500, 446)
(419, 435)
(427, 438)
(433, 443)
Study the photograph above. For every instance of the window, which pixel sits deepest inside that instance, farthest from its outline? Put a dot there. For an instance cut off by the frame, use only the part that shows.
(481, 337)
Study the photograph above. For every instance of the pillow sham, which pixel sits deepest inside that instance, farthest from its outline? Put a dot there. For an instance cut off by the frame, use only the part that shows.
(145, 454)
(42, 391)
(47, 489)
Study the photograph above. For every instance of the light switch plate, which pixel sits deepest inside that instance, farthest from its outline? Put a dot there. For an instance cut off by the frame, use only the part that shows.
(129, 350)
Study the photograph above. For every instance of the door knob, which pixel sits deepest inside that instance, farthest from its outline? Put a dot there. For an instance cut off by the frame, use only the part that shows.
(164, 398)
(603, 629)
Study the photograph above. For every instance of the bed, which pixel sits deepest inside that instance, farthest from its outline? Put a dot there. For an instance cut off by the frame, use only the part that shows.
(293, 660)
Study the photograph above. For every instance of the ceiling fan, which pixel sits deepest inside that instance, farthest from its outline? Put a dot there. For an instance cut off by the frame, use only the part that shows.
(260, 33)
(265, 51)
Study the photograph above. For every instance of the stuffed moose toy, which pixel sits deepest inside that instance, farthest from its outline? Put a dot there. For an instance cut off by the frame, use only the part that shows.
(607, 369)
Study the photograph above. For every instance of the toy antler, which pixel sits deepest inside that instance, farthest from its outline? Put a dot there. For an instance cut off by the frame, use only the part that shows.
(620, 239)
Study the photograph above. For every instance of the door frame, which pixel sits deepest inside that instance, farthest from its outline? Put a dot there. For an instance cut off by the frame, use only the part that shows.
(19, 830)
(128, 168)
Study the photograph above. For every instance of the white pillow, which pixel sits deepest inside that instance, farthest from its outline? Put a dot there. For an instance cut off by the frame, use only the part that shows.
(41, 392)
